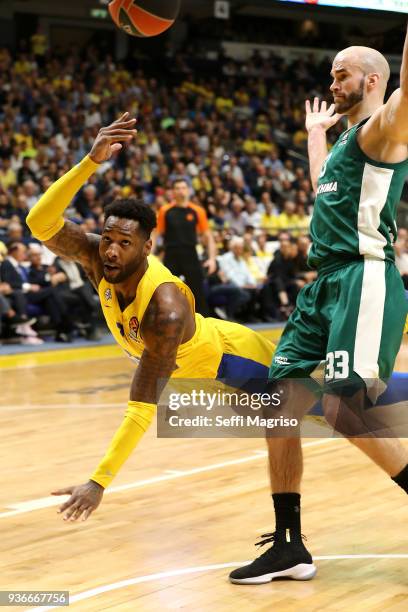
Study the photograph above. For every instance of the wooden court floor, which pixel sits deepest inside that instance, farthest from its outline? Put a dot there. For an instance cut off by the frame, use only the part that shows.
(182, 513)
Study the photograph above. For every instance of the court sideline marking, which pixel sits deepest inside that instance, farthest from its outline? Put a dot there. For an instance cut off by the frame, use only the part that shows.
(47, 502)
(193, 570)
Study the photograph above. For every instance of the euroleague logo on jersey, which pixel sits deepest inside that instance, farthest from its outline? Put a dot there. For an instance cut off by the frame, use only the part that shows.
(133, 328)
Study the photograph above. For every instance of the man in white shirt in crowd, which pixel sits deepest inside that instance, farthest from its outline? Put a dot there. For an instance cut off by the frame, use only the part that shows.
(235, 275)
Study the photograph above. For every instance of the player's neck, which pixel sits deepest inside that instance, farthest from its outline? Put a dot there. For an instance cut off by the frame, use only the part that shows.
(362, 111)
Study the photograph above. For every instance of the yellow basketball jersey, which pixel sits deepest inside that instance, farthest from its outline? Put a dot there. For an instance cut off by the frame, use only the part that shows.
(199, 357)
(206, 353)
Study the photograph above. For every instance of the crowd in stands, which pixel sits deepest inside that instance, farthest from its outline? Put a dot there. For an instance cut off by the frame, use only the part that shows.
(234, 131)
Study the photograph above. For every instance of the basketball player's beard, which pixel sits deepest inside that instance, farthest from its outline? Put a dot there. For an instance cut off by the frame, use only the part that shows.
(354, 98)
(122, 275)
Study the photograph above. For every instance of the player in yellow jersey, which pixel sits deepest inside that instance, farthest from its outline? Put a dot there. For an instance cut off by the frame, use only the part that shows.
(151, 314)
(149, 311)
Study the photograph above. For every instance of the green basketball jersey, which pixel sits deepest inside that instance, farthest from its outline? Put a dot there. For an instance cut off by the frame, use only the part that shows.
(355, 207)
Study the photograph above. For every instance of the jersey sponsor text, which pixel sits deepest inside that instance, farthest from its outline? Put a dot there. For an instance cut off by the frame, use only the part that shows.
(327, 187)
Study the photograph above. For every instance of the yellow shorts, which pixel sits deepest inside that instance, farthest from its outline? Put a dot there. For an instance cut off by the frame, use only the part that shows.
(224, 350)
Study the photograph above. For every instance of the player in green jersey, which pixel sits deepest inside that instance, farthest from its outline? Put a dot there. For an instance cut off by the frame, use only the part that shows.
(352, 317)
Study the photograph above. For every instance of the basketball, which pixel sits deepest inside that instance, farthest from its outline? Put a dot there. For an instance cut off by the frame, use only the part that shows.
(144, 18)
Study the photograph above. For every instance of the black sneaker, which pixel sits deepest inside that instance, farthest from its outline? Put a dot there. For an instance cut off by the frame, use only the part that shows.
(282, 560)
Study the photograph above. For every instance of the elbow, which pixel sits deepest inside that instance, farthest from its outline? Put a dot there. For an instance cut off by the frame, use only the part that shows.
(40, 229)
(32, 224)
(29, 220)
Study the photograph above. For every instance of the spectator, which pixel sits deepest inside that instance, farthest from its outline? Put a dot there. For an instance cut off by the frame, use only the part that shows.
(15, 232)
(14, 274)
(3, 251)
(251, 215)
(7, 175)
(234, 271)
(234, 218)
(87, 203)
(202, 182)
(258, 260)
(263, 253)
(288, 219)
(25, 172)
(43, 293)
(77, 293)
(303, 221)
(30, 191)
(225, 297)
(269, 219)
(8, 316)
(5, 308)
(282, 275)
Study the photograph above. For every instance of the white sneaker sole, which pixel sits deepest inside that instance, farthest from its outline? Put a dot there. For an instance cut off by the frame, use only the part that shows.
(302, 571)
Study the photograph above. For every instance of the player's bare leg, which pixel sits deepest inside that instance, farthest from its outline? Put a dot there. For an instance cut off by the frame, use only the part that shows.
(388, 453)
(288, 556)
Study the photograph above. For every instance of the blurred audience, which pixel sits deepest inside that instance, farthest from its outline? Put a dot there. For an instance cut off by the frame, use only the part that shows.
(44, 294)
(14, 277)
(232, 133)
(283, 275)
(77, 293)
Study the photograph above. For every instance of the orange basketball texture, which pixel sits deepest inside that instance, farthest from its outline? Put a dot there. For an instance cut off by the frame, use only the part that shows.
(144, 17)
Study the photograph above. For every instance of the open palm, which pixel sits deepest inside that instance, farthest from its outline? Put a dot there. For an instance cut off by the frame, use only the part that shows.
(320, 115)
(109, 139)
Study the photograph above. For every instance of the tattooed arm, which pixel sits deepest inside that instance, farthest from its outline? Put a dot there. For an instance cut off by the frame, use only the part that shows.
(167, 323)
(72, 243)
(46, 220)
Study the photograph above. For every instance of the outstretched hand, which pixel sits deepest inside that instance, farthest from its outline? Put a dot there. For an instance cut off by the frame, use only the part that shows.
(320, 115)
(84, 500)
(109, 139)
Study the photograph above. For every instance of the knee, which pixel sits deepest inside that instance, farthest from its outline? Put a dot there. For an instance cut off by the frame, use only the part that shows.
(345, 415)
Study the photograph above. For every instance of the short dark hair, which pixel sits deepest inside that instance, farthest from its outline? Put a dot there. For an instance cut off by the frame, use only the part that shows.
(13, 246)
(133, 209)
(179, 179)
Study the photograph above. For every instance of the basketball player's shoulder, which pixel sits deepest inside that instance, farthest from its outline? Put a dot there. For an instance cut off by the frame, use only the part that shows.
(160, 282)
(372, 122)
(165, 313)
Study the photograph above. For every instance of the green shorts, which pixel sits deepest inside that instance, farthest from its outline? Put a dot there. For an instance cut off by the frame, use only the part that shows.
(352, 319)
